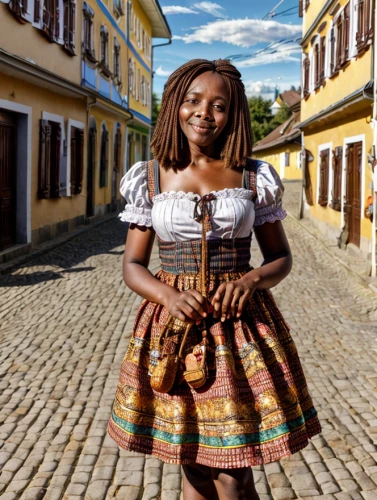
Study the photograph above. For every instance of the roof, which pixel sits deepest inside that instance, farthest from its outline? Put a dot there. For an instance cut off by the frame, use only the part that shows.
(290, 97)
(160, 27)
(283, 134)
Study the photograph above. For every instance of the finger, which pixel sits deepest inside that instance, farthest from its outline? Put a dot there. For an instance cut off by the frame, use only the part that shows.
(205, 303)
(190, 311)
(179, 315)
(227, 299)
(242, 302)
(219, 294)
(199, 308)
(234, 305)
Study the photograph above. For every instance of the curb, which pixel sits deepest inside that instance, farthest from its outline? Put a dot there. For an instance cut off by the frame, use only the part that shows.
(52, 244)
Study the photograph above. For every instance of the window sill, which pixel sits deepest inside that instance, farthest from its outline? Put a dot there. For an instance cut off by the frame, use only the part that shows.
(105, 70)
(90, 57)
(69, 49)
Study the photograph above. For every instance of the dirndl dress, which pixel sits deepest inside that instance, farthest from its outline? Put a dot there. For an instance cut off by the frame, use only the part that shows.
(255, 407)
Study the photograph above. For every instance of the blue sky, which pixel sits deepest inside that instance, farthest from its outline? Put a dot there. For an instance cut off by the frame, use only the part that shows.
(221, 28)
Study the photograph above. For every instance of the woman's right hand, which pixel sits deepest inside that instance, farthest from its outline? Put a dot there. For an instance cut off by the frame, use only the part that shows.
(189, 305)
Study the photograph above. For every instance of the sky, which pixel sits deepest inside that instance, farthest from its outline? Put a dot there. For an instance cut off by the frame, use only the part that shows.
(222, 28)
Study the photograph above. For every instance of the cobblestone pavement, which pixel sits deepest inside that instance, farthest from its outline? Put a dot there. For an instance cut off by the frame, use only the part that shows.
(66, 319)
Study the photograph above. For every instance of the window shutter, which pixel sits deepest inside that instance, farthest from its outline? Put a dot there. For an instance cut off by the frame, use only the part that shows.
(73, 160)
(18, 8)
(316, 66)
(339, 43)
(337, 179)
(306, 74)
(104, 158)
(80, 159)
(346, 32)
(55, 160)
(66, 24)
(56, 19)
(323, 178)
(332, 51)
(323, 60)
(44, 160)
(118, 149)
(300, 8)
(37, 11)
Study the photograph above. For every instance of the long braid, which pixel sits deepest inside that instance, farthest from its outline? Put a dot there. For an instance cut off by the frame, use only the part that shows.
(236, 140)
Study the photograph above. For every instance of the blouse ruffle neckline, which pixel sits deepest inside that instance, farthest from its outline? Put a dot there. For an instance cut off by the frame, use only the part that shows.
(242, 193)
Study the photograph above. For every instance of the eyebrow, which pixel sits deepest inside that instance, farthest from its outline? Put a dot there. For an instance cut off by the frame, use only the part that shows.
(192, 92)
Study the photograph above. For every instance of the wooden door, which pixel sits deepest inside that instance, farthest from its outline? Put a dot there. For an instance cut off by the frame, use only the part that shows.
(90, 174)
(353, 191)
(8, 180)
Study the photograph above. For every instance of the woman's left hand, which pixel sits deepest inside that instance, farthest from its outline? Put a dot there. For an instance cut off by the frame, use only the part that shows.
(231, 297)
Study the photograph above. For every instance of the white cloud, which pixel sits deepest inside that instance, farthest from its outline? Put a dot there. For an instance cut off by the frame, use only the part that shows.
(162, 72)
(266, 88)
(276, 54)
(241, 32)
(211, 8)
(176, 9)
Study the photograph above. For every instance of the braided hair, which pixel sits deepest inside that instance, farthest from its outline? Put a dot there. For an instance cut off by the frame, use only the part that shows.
(234, 143)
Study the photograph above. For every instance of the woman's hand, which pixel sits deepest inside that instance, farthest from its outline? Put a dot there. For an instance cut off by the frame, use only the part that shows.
(188, 306)
(231, 297)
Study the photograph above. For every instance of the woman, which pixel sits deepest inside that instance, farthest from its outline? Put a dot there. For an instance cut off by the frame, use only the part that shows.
(202, 196)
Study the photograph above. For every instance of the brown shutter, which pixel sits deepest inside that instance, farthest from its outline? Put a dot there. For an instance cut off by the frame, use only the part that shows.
(80, 159)
(72, 26)
(324, 178)
(300, 8)
(323, 60)
(66, 24)
(37, 11)
(316, 65)
(337, 179)
(332, 51)
(307, 179)
(44, 160)
(306, 74)
(346, 32)
(73, 160)
(339, 43)
(56, 19)
(55, 159)
(104, 158)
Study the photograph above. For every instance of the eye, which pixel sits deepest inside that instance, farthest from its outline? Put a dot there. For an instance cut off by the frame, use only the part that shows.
(220, 107)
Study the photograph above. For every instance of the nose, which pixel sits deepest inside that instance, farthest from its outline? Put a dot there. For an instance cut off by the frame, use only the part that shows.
(204, 112)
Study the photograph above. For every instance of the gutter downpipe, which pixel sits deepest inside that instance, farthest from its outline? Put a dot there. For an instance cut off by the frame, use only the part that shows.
(374, 173)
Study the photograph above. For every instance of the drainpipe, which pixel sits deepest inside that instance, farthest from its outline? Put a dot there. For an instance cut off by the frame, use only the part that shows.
(374, 181)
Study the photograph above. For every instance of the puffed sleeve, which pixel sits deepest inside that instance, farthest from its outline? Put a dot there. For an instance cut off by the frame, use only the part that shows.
(134, 188)
(268, 204)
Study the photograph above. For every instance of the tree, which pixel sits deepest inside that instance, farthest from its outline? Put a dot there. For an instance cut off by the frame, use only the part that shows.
(156, 106)
(262, 120)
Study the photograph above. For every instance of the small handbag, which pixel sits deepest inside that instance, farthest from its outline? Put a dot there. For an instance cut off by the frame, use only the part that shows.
(163, 366)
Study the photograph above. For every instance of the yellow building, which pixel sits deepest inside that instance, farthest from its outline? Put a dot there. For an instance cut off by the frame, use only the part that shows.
(282, 147)
(336, 114)
(65, 103)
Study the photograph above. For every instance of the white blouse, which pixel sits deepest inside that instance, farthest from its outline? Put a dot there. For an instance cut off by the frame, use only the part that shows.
(171, 214)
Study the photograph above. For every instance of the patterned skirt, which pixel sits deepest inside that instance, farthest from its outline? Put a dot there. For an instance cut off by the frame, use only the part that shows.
(255, 407)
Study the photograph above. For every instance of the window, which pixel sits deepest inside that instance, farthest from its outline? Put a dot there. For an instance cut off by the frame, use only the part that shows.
(364, 24)
(342, 25)
(337, 179)
(332, 46)
(142, 91)
(105, 70)
(49, 159)
(118, 149)
(37, 11)
(104, 158)
(287, 159)
(88, 41)
(18, 8)
(322, 66)
(317, 62)
(77, 159)
(306, 65)
(324, 178)
(118, 7)
(117, 76)
(131, 76)
(69, 26)
(50, 20)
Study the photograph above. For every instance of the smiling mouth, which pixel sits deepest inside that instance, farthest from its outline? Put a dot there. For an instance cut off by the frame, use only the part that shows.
(201, 130)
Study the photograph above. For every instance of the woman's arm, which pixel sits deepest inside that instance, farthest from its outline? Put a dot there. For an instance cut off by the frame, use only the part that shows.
(230, 298)
(186, 306)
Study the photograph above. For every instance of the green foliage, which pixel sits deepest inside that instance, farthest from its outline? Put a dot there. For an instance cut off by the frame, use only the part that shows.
(262, 120)
(156, 106)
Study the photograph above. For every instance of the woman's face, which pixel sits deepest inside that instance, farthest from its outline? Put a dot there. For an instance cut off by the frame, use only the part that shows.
(203, 114)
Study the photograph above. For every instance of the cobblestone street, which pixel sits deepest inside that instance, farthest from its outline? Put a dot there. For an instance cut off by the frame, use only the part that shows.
(66, 319)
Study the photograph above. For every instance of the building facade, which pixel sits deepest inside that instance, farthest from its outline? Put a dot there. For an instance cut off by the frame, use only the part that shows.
(67, 98)
(282, 147)
(336, 118)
